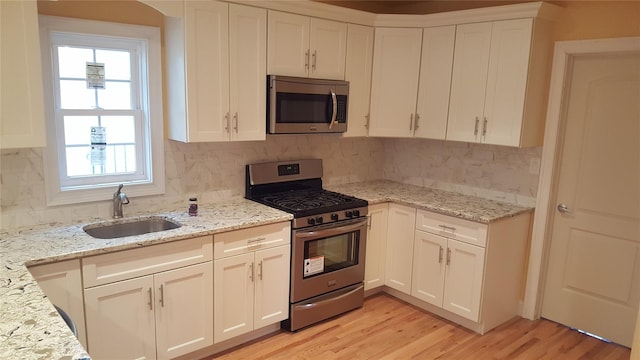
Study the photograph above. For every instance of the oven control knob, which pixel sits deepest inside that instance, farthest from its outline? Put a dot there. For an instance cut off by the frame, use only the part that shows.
(356, 213)
(319, 220)
(311, 221)
(348, 214)
(334, 217)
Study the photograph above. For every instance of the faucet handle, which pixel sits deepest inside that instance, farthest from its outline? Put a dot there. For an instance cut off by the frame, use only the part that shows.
(124, 198)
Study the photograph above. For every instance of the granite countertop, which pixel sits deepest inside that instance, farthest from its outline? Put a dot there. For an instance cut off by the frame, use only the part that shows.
(30, 328)
(443, 202)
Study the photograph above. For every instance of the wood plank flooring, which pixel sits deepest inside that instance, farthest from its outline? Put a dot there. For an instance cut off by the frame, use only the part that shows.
(388, 328)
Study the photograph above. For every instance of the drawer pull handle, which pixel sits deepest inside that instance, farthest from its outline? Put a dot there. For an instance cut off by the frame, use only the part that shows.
(445, 228)
(257, 241)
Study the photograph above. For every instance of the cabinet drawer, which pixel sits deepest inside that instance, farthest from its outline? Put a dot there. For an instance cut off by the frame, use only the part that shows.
(242, 241)
(127, 264)
(452, 228)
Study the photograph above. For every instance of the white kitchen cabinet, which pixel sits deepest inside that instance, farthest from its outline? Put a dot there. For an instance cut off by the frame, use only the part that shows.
(411, 80)
(22, 121)
(306, 47)
(216, 71)
(498, 84)
(435, 82)
(400, 239)
(396, 69)
(151, 302)
(469, 269)
(376, 246)
(251, 279)
(62, 283)
(358, 73)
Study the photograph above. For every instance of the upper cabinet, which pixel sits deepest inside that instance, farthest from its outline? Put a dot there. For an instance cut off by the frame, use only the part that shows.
(498, 92)
(358, 74)
(306, 47)
(21, 103)
(216, 65)
(411, 81)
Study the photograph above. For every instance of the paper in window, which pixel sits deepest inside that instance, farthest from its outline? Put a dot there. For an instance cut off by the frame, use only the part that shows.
(98, 146)
(95, 76)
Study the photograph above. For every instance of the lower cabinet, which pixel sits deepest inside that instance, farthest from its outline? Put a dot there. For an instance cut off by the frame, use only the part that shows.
(159, 304)
(400, 232)
(376, 246)
(251, 283)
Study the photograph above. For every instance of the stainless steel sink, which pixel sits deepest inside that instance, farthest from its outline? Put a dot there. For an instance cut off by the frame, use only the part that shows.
(139, 226)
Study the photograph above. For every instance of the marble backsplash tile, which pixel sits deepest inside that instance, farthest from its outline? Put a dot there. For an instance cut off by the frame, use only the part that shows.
(215, 171)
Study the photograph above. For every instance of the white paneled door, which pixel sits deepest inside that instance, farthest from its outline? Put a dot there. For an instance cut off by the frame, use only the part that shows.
(593, 276)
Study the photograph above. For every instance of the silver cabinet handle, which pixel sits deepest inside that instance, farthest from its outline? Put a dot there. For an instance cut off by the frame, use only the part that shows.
(313, 60)
(235, 122)
(150, 303)
(440, 255)
(256, 241)
(251, 272)
(484, 126)
(448, 256)
(162, 295)
(369, 221)
(415, 126)
(306, 59)
(445, 228)
(226, 117)
(366, 123)
(334, 112)
(411, 122)
(260, 270)
(563, 208)
(475, 130)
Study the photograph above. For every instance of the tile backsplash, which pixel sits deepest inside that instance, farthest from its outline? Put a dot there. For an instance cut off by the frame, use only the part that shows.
(215, 171)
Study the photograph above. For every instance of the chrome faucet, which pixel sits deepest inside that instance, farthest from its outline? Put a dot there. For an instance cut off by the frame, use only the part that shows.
(119, 199)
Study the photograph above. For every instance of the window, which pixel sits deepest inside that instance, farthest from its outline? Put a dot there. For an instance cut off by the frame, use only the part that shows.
(104, 110)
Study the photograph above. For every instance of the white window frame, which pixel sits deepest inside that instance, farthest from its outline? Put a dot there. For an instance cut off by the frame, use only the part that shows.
(149, 180)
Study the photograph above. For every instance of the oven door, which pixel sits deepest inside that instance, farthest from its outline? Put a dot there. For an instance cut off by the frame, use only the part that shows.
(327, 257)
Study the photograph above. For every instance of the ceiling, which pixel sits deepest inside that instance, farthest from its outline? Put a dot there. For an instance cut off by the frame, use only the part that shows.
(417, 6)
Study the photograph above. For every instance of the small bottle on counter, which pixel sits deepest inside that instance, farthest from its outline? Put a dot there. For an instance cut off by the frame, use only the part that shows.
(193, 206)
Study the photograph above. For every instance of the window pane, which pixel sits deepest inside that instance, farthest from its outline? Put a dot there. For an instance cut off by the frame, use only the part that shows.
(79, 161)
(77, 129)
(120, 129)
(73, 61)
(117, 64)
(118, 159)
(75, 95)
(116, 95)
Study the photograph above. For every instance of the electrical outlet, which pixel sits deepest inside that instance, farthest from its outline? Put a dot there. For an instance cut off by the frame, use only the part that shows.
(534, 166)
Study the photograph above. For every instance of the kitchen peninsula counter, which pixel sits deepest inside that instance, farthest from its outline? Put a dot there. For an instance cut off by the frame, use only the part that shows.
(30, 327)
(449, 203)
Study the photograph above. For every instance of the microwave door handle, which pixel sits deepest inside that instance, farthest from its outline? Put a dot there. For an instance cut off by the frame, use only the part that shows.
(334, 112)
(332, 231)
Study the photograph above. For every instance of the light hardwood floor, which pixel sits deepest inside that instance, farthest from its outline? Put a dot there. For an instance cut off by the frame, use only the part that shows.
(388, 328)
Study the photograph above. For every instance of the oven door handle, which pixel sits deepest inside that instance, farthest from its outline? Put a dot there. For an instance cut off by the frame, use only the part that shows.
(333, 231)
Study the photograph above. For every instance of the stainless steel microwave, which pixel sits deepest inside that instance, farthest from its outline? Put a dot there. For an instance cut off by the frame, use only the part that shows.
(304, 106)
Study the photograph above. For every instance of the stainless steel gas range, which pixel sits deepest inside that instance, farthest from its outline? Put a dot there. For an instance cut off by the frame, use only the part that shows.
(328, 238)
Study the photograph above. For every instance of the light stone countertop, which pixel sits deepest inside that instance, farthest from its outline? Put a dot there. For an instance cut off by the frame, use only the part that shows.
(443, 202)
(30, 327)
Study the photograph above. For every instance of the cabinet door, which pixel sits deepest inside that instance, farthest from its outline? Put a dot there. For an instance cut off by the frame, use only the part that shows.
(400, 233)
(184, 310)
(271, 286)
(120, 320)
(62, 283)
(396, 67)
(468, 84)
(429, 260)
(435, 82)
(207, 69)
(22, 101)
(233, 296)
(288, 44)
(463, 280)
(328, 47)
(358, 73)
(507, 81)
(247, 71)
(376, 246)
